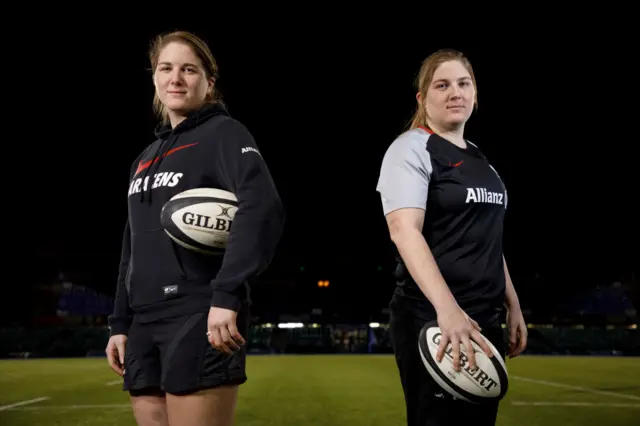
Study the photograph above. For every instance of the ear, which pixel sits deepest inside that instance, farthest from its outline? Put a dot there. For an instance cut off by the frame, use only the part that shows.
(153, 80)
(419, 97)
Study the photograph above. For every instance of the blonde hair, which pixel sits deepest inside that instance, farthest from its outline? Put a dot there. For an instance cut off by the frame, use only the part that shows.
(201, 50)
(425, 76)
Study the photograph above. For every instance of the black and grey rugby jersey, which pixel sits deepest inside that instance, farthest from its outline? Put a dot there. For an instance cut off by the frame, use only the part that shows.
(464, 200)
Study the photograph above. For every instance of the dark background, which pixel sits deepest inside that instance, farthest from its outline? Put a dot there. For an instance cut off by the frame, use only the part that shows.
(323, 104)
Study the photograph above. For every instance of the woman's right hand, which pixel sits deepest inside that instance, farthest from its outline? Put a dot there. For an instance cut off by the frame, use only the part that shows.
(459, 329)
(115, 352)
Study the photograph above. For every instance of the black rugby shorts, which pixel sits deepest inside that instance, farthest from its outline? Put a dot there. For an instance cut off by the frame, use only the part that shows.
(174, 355)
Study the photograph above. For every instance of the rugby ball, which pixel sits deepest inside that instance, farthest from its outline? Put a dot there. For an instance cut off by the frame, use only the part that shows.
(488, 382)
(200, 219)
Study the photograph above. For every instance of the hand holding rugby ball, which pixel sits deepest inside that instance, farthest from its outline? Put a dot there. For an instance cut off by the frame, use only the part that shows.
(478, 381)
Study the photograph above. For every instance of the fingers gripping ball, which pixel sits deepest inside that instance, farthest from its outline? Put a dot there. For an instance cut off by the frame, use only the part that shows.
(487, 382)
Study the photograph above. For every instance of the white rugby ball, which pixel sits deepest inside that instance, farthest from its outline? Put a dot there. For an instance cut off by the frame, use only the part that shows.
(488, 382)
(200, 219)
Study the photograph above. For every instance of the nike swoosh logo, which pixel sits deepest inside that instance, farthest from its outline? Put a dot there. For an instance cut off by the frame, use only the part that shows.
(142, 166)
(456, 164)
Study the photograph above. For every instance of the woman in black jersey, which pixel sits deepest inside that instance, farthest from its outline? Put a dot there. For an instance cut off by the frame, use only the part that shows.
(444, 205)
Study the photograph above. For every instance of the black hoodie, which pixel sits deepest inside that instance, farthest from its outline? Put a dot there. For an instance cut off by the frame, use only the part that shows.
(157, 277)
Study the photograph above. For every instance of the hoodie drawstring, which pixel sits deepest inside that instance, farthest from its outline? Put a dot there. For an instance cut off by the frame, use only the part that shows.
(146, 173)
(155, 161)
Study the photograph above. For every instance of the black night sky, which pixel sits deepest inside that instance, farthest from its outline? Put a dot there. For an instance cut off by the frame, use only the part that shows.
(323, 104)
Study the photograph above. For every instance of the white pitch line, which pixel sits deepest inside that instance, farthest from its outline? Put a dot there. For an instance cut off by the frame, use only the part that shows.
(73, 407)
(21, 403)
(113, 382)
(577, 388)
(576, 404)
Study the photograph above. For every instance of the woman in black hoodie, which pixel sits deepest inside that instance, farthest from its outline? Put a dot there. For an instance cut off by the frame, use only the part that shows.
(180, 316)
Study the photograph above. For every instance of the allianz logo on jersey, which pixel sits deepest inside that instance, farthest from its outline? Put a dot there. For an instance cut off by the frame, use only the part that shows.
(482, 195)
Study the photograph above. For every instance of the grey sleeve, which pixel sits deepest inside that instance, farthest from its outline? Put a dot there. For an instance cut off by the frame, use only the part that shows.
(405, 174)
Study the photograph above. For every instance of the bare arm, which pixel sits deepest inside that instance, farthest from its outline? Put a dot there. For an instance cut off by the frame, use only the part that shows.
(517, 326)
(510, 292)
(405, 229)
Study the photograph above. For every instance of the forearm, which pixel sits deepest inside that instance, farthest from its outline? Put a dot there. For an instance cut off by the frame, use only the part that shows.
(422, 266)
(510, 292)
(120, 320)
(256, 232)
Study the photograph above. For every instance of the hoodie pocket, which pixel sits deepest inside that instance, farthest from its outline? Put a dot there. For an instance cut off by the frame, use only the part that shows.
(156, 273)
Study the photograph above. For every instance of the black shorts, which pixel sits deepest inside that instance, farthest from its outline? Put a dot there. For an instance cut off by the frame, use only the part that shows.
(174, 355)
(427, 404)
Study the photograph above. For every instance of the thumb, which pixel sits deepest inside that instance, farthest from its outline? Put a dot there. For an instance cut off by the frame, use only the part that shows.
(120, 348)
(474, 324)
(512, 334)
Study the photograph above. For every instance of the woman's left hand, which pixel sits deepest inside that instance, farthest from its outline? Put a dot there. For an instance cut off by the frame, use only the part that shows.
(222, 331)
(517, 332)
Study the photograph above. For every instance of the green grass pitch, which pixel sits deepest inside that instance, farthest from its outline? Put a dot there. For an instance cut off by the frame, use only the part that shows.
(332, 390)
